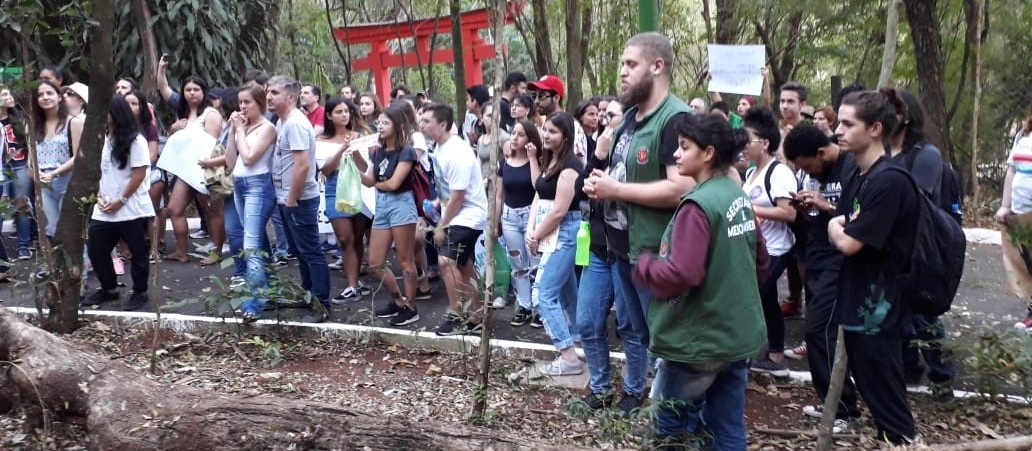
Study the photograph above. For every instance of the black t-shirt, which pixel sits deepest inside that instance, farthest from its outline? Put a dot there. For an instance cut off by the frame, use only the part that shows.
(384, 164)
(821, 255)
(615, 212)
(547, 186)
(519, 189)
(507, 120)
(881, 209)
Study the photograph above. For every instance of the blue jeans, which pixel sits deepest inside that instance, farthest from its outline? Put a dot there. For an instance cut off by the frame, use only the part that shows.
(632, 311)
(255, 199)
(594, 299)
(282, 246)
(514, 229)
(53, 195)
(394, 209)
(704, 403)
(21, 188)
(302, 226)
(556, 284)
(234, 235)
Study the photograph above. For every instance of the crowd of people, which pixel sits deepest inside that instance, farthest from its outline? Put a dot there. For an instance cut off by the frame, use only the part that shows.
(693, 213)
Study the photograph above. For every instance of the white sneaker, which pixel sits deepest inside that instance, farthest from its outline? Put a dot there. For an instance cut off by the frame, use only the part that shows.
(499, 303)
(337, 265)
(199, 235)
(236, 282)
(797, 353)
(815, 411)
(842, 426)
(560, 367)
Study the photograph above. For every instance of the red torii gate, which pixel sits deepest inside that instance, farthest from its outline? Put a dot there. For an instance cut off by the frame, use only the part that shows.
(381, 59)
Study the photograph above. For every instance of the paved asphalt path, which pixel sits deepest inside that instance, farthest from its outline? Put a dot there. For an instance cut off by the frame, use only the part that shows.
(981, 302)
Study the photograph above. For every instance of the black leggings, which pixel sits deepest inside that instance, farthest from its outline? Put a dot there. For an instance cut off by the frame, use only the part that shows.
(771, 305)
(103, 236)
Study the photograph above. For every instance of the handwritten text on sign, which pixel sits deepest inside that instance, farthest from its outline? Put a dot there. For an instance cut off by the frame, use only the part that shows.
(735, 69)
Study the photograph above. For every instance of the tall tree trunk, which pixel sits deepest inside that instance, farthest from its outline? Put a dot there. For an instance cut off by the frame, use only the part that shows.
(142, 19)
(544, 62)
(924, 30)
(484, 364)
(574, 60)
(454, 8)
(431, 89)
(729, 24)
(66, 262)
(891, 35)
(336, 44)
(976, 192)
(121, 409)
(708, 20)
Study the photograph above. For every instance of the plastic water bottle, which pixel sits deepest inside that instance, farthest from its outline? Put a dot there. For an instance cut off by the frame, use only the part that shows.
(583, 244)
(955, 208)
(432, 215)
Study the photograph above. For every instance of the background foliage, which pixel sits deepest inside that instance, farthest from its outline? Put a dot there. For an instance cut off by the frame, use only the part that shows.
(807, 41)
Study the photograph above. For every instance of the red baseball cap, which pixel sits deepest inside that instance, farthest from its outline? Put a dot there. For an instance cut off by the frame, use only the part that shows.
(549, 83)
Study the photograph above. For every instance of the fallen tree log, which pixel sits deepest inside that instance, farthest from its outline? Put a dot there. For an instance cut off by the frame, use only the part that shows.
(50, 378)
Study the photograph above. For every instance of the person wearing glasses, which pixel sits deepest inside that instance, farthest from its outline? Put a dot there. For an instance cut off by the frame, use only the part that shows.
(549, 92)
(76, 96)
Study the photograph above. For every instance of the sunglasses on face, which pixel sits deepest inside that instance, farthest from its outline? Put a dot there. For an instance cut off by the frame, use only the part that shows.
(543, 95)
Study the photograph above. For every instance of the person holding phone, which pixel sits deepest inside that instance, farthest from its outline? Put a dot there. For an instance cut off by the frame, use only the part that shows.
(193, 109)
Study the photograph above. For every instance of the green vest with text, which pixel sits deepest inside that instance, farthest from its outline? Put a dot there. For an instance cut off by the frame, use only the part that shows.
(721, 320)
(645, 223)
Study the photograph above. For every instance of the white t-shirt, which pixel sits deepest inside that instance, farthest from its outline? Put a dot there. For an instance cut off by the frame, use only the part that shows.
(782, 182)
(114, 180)
(1021, 186)
(458, 168)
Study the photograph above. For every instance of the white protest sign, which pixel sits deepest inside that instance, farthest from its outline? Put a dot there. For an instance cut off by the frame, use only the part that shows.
(182, 152)
(735, 69)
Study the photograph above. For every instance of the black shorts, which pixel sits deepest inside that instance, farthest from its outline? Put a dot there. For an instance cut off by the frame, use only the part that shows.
(459, 244)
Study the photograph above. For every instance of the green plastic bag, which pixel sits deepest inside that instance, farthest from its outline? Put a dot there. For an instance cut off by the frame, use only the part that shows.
(349, 187)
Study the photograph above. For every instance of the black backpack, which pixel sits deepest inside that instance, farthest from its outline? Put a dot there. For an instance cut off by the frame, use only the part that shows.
(951, 191)
(937, 259)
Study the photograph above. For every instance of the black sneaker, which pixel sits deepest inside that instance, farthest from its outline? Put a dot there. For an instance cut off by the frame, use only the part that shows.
(363, 290)
(281, 261)
(536, 322)
(453, 325)
(423, 295)
(629, 403)
(135, 301)
(597, 401)
(471, 328)
(101, 296)
(388, 311)
(522, 317)
(405, 316)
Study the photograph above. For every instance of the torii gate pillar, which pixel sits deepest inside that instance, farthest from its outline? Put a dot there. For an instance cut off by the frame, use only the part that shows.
(381, 59)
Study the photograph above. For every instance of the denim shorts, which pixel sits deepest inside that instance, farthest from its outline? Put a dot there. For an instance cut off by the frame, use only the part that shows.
(394, 209)
(331, 199)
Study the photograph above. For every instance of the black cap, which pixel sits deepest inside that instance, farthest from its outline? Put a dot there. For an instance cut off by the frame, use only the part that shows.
(216, 93)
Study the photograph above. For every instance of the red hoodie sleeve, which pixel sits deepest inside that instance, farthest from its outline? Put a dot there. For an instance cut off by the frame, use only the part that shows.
(685, 267)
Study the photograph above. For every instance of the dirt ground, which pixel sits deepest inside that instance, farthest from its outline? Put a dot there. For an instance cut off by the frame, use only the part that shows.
(420, 384)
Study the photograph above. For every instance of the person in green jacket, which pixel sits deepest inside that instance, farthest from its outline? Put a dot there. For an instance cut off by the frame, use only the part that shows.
(705, 319)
